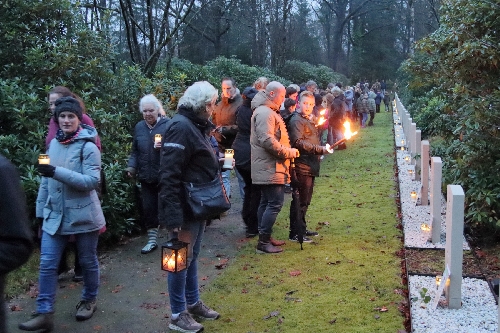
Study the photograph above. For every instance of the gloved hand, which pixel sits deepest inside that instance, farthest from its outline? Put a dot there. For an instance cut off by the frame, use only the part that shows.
(46, 170)
(329, 148)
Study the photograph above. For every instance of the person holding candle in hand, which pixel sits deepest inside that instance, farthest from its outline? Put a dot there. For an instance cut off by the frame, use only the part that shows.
(68, 204)
(187, 155)
(304, 136)
(144, 163)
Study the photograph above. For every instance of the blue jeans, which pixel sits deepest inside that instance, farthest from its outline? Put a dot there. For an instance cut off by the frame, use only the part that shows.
(364, 119)
(241, 183)
(183, 286)
(51, 250)
(226, 181)
(271, 201)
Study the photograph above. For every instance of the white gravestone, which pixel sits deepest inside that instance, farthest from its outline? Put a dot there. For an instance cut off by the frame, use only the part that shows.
(436, 174)
(454, 244)
(424, 168)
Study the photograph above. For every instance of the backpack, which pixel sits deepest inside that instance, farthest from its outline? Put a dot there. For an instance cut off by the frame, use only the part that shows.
(101, 189)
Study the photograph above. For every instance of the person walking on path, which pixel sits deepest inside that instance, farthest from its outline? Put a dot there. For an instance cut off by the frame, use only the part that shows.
(187, 156)
(16, 238)
(270, 153)
(53, 95)
(371, 107)
(305, 137)
(144, 163)
(68, 203)
(224, 118)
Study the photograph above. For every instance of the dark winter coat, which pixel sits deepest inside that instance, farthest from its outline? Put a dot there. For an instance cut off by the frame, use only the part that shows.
(16, 239)
(378, 98)
(187, 155)
(305, 137)
(144, 160)
(241, 144)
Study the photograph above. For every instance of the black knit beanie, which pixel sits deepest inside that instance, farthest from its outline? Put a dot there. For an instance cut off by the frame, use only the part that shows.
(68, 104)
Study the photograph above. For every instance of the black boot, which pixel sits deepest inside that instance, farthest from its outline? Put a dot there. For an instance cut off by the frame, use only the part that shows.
(40, 321)
(264, 245)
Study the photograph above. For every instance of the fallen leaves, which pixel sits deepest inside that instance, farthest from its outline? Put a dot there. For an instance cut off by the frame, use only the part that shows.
(295, 273)
(15, 307)
(222, 264)
(272, 314)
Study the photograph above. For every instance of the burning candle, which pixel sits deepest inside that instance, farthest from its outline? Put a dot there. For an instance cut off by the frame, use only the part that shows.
(157, 138)
(425, 227)
(402, 148)
(43, 159)
(228, 159)
(407, 158)
(403, 142)
(413, 196)
(322, 118)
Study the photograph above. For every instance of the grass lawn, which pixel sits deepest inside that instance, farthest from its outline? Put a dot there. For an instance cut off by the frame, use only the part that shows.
(349, 279)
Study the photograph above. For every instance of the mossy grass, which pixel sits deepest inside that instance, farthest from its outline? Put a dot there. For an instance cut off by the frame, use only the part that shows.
(348, 276)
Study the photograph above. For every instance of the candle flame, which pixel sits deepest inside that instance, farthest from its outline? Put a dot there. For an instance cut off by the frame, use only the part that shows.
(347, 133)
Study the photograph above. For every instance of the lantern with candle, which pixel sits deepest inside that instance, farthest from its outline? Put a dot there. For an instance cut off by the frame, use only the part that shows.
(413, 196)
(425, 227)
(407, 159)
(228, 159)
(157, 138)
(43, 159)
(174, 254)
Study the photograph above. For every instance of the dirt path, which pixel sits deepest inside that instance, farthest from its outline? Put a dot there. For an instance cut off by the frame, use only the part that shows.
(133, 294)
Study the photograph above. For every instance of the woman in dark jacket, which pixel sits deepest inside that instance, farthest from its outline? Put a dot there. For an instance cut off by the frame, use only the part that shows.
(241, 146)
(187, 156)
(144, 163)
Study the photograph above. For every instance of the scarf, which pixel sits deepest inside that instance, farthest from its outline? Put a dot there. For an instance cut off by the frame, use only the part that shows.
(67, 138)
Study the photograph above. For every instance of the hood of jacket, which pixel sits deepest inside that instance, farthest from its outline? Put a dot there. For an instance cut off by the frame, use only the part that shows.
(87, 133)
(349, 94)
(371, 94)
(261, 99)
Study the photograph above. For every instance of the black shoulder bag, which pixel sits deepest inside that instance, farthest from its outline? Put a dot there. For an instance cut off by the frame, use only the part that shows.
(208, 200)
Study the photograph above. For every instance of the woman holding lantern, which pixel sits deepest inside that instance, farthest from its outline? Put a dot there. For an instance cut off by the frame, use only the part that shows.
(187, 156)
(68, 204)
(144, 163)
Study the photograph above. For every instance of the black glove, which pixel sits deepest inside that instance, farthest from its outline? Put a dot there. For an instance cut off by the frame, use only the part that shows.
(46, 170)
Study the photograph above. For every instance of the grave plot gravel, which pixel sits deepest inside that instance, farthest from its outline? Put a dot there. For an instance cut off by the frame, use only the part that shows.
(478, 313)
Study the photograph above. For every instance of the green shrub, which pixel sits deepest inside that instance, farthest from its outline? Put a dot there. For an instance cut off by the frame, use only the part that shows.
(300, 72)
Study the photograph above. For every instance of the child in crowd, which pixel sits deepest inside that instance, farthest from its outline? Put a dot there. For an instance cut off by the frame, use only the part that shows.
(304, 136)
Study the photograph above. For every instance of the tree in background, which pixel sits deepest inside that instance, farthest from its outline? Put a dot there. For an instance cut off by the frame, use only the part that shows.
(456, 70)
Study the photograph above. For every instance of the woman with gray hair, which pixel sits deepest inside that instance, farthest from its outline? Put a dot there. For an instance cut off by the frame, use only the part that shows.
(187, 156)
(144, 163)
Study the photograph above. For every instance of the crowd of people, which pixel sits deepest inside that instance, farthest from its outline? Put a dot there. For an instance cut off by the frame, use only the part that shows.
(278, 134)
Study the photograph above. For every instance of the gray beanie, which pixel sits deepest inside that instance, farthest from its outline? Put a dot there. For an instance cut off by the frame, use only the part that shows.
(68, 104)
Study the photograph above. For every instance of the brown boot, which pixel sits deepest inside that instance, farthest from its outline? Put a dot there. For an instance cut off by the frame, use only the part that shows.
(264, 245)
(276, 242)
(40, 321)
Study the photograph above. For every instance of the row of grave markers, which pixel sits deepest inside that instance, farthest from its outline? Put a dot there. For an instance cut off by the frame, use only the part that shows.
(408, 138)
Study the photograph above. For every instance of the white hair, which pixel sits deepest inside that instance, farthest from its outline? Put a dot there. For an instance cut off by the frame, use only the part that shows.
(197, 96)
(296, 86)
(153, 100)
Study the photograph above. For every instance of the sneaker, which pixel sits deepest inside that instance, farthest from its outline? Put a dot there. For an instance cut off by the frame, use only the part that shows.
(202, 311)
(85, 309)
(304, 240)
(311, 233)
(185, 323)
(39, 321)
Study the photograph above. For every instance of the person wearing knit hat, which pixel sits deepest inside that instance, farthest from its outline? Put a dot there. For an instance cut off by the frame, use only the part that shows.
(68, 104)
(69, 183)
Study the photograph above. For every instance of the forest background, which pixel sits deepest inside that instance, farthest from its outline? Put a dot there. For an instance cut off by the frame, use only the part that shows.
(442, 55)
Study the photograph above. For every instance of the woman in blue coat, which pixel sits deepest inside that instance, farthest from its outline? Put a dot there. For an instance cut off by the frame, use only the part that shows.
(68, 203)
